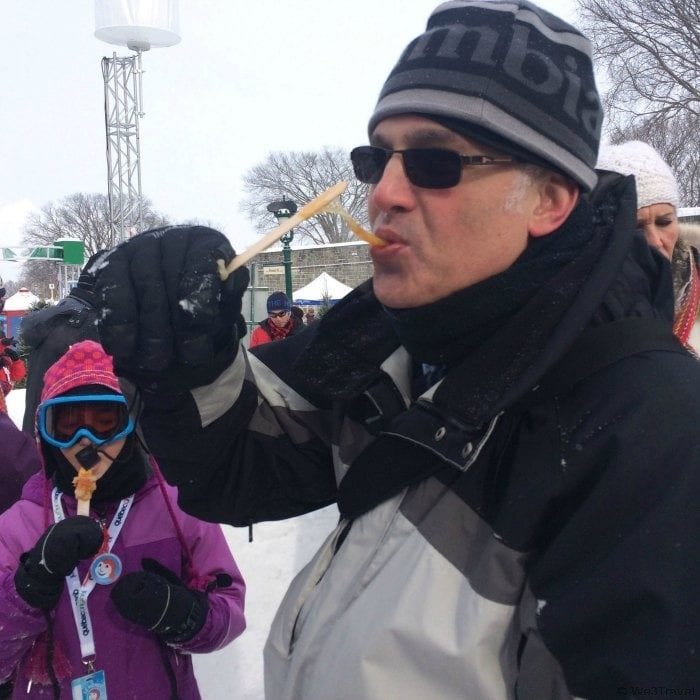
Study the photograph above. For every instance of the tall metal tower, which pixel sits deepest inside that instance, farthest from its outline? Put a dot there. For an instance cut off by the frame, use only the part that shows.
(139, 26)
(123, 98)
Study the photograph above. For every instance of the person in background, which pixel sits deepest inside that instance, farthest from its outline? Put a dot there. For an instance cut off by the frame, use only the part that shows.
(657, 218)
(119, 598)
(502, 414)
(19, 459)
(297, 318)
(279, 323)
(47, 333)
(310, 317)
(12, 368)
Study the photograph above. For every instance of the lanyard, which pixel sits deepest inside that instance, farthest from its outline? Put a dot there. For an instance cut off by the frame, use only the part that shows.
(78, 592)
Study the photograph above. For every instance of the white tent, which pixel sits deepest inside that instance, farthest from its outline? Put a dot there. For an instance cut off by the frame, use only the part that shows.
(21, 300)
(323, 287)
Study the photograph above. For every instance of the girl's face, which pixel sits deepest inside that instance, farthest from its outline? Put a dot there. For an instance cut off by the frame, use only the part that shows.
(107, 453)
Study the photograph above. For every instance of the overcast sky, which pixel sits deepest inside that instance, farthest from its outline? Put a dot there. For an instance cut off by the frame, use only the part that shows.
(246, 79)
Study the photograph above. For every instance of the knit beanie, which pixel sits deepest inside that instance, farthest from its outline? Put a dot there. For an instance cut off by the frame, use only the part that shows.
(278, 301)
(656, 183)
(83, 363)
(512, 74)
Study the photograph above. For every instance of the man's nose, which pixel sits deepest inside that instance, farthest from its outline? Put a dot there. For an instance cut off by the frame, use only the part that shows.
(394, 188)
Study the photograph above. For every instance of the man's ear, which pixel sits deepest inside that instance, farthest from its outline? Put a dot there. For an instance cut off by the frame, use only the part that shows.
(558, 195)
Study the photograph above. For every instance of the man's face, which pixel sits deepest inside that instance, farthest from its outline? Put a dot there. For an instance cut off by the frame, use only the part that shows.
(442, 240)
(279, 318)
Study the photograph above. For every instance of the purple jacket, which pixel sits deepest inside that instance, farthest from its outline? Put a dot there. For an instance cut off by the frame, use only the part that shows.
(19, 459)
(129, 655)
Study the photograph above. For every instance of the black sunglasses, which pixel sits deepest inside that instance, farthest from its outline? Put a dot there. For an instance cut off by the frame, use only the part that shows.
(432, 168)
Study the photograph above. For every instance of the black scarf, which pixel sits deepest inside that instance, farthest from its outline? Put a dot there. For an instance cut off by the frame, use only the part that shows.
(128, 473)
(499, 336)
(472, 316)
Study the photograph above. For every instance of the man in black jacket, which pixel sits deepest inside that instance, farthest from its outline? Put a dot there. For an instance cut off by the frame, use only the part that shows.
(48, 333)
(502, 414)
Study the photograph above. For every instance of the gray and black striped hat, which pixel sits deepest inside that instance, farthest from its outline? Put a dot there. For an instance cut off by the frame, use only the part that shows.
(508, 73)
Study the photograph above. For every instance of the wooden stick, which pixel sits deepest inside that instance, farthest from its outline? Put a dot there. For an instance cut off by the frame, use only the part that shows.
(306, 212)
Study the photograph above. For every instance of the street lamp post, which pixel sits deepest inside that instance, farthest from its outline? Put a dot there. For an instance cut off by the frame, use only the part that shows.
(283, 209)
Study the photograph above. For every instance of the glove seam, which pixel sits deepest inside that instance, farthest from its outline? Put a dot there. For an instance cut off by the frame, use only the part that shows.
(42, 560)
(162, 615)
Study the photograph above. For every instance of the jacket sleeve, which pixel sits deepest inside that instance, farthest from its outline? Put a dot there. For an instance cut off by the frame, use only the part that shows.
(258, 337)
(19, 459)
(248, 447)
(211, 556)
(20, 624)
(617, 578)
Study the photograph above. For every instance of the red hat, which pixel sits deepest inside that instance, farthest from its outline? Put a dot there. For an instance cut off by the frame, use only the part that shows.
(83, 363)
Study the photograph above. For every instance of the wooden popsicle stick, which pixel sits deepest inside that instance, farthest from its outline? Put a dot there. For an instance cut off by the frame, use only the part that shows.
(306, 212)
(337, 208)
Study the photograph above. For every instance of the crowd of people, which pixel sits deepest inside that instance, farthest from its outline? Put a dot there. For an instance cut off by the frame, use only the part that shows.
(505, 415)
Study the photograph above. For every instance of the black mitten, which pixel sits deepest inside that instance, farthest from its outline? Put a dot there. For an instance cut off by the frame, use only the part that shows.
(42, 570)
(166, 316)
(158, 600)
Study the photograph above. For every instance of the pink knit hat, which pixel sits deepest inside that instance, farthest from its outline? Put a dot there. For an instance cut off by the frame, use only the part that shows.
(83, 363)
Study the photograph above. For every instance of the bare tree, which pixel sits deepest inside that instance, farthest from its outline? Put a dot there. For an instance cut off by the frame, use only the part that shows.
(37, 275)
(302, 176)
(677, 141)
(83, 216)
(651, 52)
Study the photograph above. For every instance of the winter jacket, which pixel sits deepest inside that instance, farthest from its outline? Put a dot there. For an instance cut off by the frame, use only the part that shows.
(48, 333)
(19, 459)
(502, 535)
(130, 656)
(262, 335)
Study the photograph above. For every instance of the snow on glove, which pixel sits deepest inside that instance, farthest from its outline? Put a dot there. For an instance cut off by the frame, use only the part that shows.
(158, 600)
(164, 314)
(40, 576)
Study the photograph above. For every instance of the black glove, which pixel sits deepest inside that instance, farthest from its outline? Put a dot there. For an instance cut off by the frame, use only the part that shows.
(159, 601)
(40, 576)
(165, 315)
(8, 341)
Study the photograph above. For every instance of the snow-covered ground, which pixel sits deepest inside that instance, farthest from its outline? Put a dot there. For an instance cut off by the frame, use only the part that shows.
(268, 564)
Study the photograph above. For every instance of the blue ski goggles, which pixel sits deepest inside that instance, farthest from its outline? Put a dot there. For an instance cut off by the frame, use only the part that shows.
(101, 418)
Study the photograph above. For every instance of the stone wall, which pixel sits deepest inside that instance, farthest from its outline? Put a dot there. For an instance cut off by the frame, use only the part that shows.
(349, 263)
